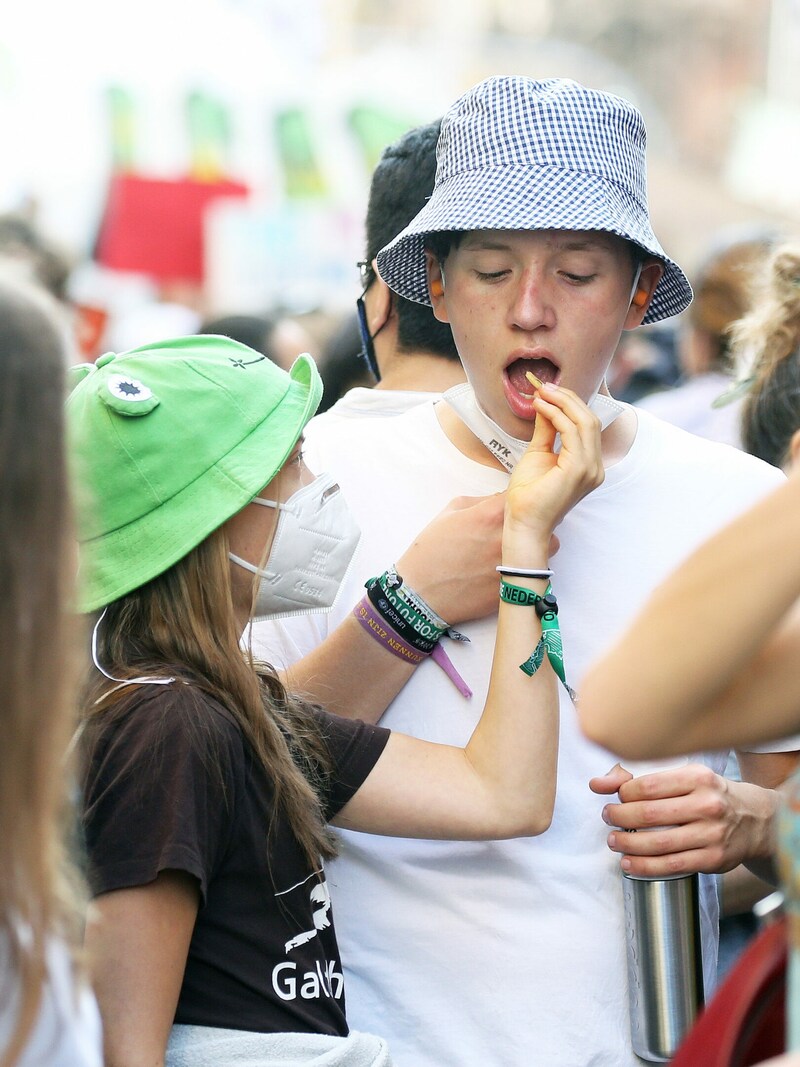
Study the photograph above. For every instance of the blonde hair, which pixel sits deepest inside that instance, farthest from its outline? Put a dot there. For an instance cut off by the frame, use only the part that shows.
(767, 347)
(182, 625)
(37, 887)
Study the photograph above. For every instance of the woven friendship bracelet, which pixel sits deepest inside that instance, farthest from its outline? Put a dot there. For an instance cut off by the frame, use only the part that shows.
(411, 605)
(550, 642)
(413, 622)
(412, 619)
(384, 607)
(384, 634)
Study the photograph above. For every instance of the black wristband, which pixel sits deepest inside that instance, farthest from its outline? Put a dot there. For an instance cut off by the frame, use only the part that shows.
(393, 618)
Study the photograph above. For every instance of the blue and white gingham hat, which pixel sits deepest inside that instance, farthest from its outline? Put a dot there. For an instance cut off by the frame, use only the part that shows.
(519, 154)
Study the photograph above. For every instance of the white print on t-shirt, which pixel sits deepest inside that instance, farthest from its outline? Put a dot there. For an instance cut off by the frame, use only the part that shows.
(321, 896)
(310, 985)
(328, 982)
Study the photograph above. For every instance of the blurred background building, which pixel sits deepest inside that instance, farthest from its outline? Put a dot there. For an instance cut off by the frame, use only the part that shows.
(215, 154)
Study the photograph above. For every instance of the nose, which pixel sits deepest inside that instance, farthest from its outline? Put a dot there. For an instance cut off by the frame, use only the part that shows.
(531, 307)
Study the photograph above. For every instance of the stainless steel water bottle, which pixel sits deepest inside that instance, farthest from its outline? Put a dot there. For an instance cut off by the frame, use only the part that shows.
(665, 964)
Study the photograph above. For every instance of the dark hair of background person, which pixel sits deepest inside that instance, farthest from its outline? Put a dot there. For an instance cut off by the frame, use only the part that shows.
(20, 240)
(37, 892)
(341, 365)
(255, 331)
(401, 184)
(767, 341)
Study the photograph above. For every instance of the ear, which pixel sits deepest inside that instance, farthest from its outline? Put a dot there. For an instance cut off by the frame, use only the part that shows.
(793, 453)
(646, 286)
(381, 303)
(436, 286)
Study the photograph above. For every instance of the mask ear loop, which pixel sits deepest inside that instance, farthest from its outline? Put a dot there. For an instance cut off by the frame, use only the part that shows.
(635, 285)
(123, 681)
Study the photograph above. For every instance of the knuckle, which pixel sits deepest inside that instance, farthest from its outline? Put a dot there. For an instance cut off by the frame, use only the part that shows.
(676, 863)
(662, 842)
(715, 807)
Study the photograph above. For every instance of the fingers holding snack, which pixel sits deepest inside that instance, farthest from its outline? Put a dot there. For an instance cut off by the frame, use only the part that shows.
(547, 483)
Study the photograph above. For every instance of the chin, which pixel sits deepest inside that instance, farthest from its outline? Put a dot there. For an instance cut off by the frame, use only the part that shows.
(521, 429)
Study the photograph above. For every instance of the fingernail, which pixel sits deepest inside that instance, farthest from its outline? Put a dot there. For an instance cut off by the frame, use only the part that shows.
(606, 818)
(626, 864)
(549, 387)
(612, 841)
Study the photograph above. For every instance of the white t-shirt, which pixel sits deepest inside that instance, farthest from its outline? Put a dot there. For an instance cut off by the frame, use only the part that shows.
(508, 953)
(360, 402)
(67, 1032)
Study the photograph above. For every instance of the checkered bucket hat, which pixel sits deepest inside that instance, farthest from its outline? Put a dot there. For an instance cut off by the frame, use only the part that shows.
(519, 154)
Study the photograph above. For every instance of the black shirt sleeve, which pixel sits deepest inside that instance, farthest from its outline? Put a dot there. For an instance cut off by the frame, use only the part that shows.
(355, 747)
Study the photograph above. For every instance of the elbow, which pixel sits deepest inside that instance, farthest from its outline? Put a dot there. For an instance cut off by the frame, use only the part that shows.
(538, 825)
(528, 822)
(622, 738)
(605, 723)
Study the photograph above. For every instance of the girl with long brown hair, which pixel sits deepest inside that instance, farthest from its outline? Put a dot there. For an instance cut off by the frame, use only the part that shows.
(46, 1013)
(208, 787)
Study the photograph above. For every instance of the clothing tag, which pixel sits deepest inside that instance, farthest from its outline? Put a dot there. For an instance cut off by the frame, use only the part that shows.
(505, 448)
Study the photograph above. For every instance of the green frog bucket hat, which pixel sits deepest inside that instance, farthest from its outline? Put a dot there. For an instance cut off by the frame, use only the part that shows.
(166, 443)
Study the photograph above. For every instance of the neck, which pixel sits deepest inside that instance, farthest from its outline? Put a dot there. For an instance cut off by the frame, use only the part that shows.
(615, 441)
(419, 372)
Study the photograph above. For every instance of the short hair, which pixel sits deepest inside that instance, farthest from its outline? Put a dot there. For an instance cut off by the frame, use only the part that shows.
(401, 183)
(255, 331)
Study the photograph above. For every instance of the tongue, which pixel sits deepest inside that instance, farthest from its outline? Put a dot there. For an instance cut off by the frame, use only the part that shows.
(541, 368)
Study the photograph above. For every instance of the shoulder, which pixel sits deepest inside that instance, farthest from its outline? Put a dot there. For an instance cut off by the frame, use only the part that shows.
(338, 437)
(704, 458)
(354, 745)
(158, 723)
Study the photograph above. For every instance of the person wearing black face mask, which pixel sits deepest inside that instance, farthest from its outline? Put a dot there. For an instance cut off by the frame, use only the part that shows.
(410, 353)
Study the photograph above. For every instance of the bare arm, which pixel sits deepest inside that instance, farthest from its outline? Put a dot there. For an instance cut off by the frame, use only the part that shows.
(503, 783)
(451, 563)
(137, 941)
(718, 642)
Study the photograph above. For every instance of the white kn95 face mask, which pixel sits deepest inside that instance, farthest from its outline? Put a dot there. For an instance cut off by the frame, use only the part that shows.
(315, 540)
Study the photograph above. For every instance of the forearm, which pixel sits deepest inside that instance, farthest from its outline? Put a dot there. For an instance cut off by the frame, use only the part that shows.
(514, 747)
(740, 889)
(503, 783)
(451, 565)
(350, 673)
(759, 806)
(764, 775)
(705, 629)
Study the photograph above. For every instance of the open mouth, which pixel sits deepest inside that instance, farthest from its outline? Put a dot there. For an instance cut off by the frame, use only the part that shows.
(543, 369)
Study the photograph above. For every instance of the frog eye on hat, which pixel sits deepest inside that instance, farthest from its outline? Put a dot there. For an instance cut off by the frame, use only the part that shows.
(128, 396)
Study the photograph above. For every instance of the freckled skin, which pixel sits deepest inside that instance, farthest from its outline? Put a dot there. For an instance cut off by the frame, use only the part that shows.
(559, 295)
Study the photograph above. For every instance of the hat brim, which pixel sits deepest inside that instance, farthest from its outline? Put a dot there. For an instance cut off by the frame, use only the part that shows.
(120, 561)
(529, 198)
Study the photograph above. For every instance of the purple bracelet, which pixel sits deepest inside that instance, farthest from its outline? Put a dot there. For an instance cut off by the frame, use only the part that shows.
(384, 634)
(380, 630)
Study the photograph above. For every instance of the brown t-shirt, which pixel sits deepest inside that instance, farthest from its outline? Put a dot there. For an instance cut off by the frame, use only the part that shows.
(171, 784)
